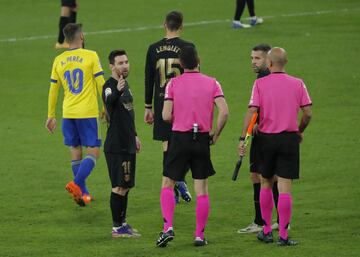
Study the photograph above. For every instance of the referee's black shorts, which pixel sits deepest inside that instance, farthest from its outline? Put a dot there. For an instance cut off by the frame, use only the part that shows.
(279, 155)
(186, 152)
(68, 3)
(121, 169)
(254, 155)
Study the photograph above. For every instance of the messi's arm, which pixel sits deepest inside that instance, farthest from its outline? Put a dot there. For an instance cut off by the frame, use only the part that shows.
(110, 95)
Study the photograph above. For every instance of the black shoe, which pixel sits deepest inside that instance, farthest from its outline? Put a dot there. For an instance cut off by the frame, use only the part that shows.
(266, 238)
(200, 242)
(165, 237)
(286, 242)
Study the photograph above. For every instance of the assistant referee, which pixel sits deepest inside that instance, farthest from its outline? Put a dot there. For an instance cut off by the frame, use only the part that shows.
(189, 105)
(279, 97)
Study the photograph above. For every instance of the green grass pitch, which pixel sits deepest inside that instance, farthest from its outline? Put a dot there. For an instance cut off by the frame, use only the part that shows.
(37, 218)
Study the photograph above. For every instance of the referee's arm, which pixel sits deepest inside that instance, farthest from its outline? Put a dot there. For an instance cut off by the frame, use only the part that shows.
(167, 111)
(223, 113)
(306, 117)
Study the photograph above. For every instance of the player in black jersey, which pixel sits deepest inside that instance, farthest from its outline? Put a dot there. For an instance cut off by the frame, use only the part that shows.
(258, 61)
(68, 15)
(162, 64)
(121, 143)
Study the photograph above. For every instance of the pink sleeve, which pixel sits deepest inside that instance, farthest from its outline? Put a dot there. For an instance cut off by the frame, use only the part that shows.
(169, 91)
(305, 98)
(255, 98)
(218, 91)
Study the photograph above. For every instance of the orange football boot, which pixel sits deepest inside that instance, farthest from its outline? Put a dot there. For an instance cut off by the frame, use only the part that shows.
(75, 192)
(87, 198)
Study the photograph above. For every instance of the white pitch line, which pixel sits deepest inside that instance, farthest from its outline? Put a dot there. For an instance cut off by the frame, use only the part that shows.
(189, 24)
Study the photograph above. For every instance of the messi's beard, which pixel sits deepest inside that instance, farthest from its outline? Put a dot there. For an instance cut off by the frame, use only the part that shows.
(124, 75)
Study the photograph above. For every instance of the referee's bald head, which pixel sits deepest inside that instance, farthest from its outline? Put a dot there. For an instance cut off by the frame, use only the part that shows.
(278, 57)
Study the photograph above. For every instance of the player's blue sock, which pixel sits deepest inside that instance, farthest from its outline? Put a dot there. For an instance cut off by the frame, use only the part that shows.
(75, 164)
(83, 187)
(86, 166)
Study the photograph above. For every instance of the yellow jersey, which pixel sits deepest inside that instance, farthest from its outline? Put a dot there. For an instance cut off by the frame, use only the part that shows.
(80, 73)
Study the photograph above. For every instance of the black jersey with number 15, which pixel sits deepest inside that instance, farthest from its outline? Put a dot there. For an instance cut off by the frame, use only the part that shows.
(162, 64)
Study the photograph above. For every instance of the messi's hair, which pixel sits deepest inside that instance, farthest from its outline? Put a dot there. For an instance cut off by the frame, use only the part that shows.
(174, 20)
(115, 53)
(262, 47)
(71, 31)
(189, 58)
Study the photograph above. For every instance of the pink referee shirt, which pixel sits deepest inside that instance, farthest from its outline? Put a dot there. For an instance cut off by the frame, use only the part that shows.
(193, 97)
(279, 97)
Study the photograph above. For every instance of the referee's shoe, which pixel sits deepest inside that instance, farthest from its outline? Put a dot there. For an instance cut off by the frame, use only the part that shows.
(165, 237)
(198, 241)
(266, 238)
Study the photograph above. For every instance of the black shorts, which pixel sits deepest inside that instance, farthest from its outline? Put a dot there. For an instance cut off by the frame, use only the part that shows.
(162, 129)
(254, 155)
(186, 152)
(279, 155)
(121, 169)
(68, 3)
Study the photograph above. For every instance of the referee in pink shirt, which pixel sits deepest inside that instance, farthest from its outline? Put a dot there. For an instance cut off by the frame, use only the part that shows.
(278, 97)
(189, 106)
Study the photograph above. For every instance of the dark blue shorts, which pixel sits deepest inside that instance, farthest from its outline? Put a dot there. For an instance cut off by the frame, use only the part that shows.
(81, 132)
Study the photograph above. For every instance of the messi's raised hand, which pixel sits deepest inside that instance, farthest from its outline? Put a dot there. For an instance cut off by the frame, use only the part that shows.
(121, 84)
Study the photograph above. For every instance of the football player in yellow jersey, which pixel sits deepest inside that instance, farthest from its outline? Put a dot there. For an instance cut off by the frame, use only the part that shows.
(80, 74)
